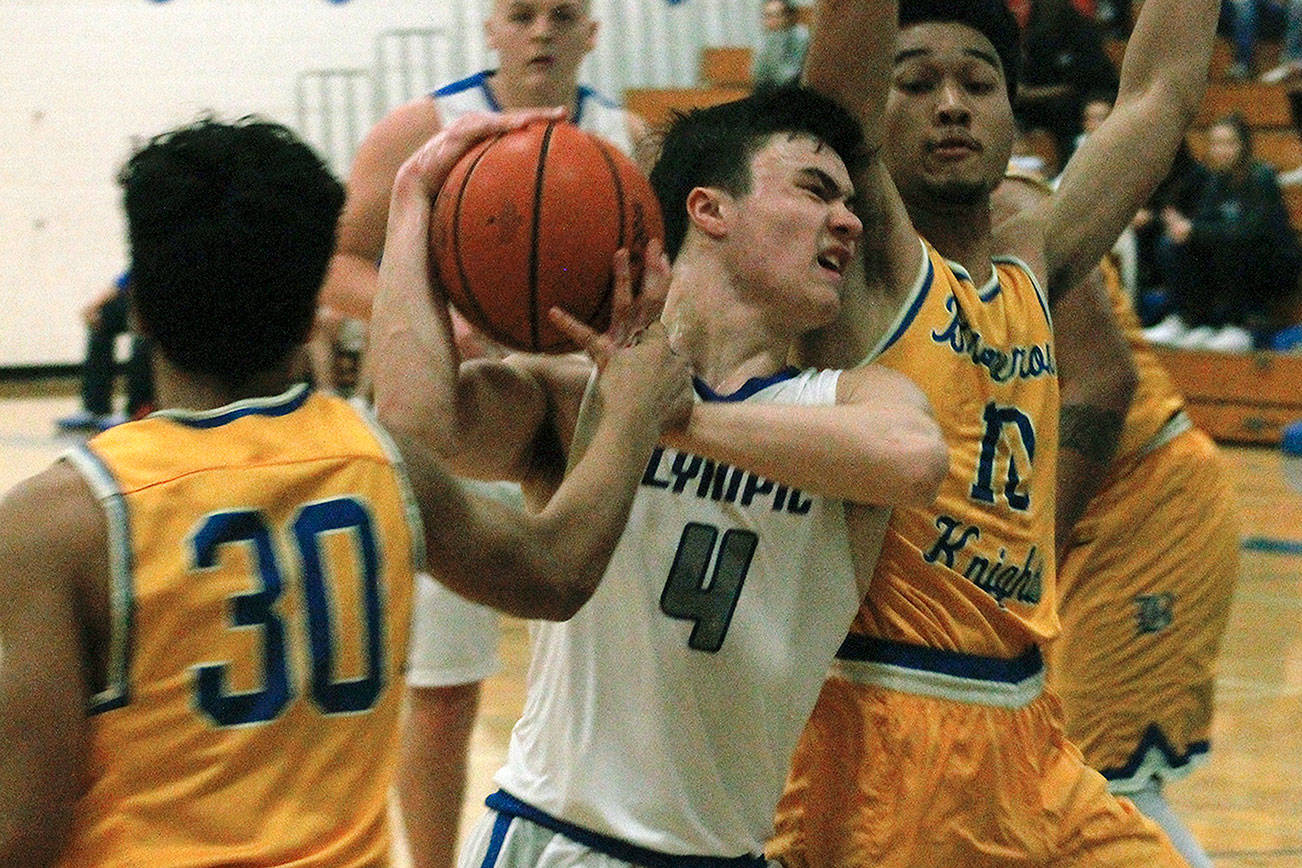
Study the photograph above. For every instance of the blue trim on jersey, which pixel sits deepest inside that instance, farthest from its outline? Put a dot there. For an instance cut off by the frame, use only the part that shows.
(280, 405)
(748, 388)
(1154, 739)
(912, 312)
(993, 292)
(872, 649)
(507, 804)
(470, 82)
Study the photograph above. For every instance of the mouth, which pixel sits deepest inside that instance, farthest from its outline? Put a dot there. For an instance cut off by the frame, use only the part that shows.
(835, 259)
(542, 61)
(953, 147)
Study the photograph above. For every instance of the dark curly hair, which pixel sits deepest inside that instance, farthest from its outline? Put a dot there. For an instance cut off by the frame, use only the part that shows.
(231, 227)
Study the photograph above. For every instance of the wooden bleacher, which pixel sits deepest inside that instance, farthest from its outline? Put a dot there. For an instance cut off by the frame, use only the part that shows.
(1238, 398)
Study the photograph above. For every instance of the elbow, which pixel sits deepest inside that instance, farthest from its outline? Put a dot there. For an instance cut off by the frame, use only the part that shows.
(929, 467)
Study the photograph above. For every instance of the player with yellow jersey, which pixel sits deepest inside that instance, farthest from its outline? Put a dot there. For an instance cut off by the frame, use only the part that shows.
(204, 614)
(933, 741)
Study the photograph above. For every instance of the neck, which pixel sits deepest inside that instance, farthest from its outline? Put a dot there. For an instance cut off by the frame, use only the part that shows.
(961, 233)
(182, 390)
(519, 94)
(727, 338)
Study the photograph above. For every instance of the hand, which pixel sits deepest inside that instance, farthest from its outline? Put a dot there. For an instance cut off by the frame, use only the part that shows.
(1178, 226)
(630, 312)
(1142, 218)
(646, 378)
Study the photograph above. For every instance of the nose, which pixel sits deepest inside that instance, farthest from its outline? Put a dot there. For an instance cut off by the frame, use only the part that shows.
(542, 27)
(951, 108)
(845, 224)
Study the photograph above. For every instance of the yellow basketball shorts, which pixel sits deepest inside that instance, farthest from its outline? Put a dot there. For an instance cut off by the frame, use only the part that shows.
(1144, 596)
(887, 777)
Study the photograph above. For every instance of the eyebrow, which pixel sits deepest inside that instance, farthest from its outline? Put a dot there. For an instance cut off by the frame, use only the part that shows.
(979, 54)
(825, 181)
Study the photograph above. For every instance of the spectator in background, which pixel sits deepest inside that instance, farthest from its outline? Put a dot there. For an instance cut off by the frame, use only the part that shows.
(1251, 20)
(1181, 191)
(1064, 65)
(781, 50)
(106, 318)
(1236, 257)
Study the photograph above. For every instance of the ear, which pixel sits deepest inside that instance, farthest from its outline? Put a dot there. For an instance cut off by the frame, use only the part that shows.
(591, 42)
(490, 33)
(708, 210)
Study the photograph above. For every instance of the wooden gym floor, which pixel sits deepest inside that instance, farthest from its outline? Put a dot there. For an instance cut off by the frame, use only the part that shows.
(1244, 805)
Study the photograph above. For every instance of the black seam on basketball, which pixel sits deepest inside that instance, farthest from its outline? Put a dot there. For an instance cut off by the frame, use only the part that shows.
(604, 302)
(481, 316)
(535, 331)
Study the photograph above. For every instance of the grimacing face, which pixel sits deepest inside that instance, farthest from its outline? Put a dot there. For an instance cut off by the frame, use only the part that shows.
(949, 126)
(792, 234)
(540, 40)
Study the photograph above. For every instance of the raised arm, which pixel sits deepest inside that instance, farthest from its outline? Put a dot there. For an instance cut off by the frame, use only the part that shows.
(851, 60)
(43, 670)
(547, 565)
(484, 418)
(1163, 78)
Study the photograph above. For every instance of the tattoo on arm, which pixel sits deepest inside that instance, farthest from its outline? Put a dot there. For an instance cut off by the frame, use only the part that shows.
(1094, 432)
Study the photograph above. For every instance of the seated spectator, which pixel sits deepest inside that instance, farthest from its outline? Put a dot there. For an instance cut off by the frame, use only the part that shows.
(106, 318)
(1181, 190)
(1250, 20)
(1064, 65)
(781, 50)
(1235, 258)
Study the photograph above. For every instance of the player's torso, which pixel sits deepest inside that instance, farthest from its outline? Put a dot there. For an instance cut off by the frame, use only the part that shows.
(262, 578)
(593, 112)
(974, 571)
(691, 671)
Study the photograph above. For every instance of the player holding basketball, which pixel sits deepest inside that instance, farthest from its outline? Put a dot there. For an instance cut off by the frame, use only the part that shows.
(659, 725)
(1148, 569)
(204, 614)
(933, 742)
(540, 45)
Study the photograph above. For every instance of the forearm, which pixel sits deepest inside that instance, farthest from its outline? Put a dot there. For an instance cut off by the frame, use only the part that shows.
(1168, 55)
(843, 451)
(350, 286)
(1089, 438)
(851, 58)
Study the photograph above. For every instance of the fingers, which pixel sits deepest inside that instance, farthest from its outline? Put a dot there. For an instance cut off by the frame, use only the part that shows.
(580, 334)
(433, 161)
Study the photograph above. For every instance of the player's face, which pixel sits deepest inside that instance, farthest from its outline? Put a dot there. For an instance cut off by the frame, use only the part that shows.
(949, 126)
(541, 41)
(793, 234)
(775, 16)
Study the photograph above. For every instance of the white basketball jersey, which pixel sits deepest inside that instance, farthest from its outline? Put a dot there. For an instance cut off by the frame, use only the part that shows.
(595, 113)
(666, 711)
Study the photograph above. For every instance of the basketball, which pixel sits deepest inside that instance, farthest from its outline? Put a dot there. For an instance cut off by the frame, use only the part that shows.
(531, 219)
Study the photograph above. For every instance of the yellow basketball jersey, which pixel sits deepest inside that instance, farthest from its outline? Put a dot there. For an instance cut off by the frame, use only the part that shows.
(1156, 399)
(262, 571)
(974, 572)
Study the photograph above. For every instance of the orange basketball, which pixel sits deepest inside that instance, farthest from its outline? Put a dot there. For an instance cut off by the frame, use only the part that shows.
(531, 219)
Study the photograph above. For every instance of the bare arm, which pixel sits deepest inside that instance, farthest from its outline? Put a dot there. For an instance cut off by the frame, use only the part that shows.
(351, 282)
(432, 769)
(1097, 379)
(45, 525)
(484, 418)
(878, 445)
(1163, 78)
(852, 61)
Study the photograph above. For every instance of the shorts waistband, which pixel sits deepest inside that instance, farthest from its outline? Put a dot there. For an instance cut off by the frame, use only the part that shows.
(952, 675)
(509, 807)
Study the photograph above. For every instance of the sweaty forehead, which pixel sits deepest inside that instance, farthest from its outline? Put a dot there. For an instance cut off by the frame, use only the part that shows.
(944, 41)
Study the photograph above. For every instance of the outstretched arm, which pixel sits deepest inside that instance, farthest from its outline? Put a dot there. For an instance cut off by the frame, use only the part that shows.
(1163, 78)
(851, 60)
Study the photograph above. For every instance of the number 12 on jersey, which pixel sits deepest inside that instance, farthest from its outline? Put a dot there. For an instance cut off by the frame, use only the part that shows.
(694, 593)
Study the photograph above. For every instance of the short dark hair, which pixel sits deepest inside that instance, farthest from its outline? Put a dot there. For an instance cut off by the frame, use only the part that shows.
(713, 147)
(231, 228)
(991, 18)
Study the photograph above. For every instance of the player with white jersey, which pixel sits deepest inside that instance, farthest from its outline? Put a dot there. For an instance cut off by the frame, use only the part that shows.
(658, 729)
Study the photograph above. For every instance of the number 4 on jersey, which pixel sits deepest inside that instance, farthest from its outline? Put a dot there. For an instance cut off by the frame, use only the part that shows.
(708, 603)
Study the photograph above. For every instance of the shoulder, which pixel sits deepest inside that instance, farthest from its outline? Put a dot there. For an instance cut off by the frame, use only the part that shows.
(55, 517)
(402, 130)
(878, 384)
